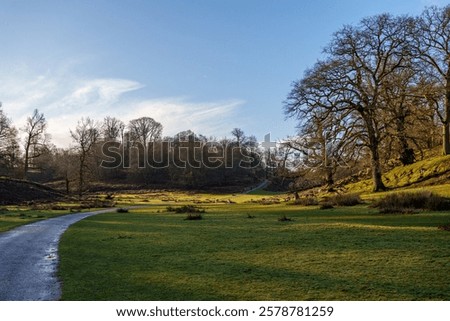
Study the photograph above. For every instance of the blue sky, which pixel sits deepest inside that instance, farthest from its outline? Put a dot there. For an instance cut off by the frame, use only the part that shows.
(204, 65)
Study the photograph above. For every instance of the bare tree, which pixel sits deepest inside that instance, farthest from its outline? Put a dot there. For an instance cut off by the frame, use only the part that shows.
(35, 140)
(65, 165)
(239, 135)
(144, 130)
(5, 125)
(5, 128)
(432, 47)
(85, 135)
(326, 144)
(4, 122)
(113, 129)
(411, 124)
(9, 147)
(369, 54)
(351, 81)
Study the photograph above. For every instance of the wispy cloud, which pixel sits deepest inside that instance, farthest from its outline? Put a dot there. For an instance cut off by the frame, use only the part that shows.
(92, 95)
(177, 114)
(64, 100)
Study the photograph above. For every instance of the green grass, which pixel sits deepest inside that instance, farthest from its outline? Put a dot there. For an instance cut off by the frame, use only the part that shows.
(337, 254)
(263, 192)
(403, 176)
(16, 216)
(169, 197)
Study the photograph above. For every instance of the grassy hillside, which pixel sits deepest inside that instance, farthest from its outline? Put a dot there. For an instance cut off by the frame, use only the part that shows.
(15, 191)
(430, 172)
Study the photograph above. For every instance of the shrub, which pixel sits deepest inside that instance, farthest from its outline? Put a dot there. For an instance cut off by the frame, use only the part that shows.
(345, 199)
(122, 210)
(194, 217)
(37, 207)
(438, 203)
(397, 210)
(58, 208)
(306, 201)
(326, 206)
(269, 201)
(97, 203)
(109, 196)
(284, 219)
(126, 237)
(411, 202)
(185, 209)
(103, 203)
(445, 227)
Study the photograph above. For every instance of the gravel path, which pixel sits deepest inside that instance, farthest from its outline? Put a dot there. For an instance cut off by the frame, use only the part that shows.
(29, 258)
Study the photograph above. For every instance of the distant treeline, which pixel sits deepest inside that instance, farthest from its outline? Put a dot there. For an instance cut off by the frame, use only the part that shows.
(112, 152)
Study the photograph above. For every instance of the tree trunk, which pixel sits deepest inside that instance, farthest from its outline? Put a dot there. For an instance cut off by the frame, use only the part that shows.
(446, 125)
(25, 165)
(407, 156)
(446, 138)
(26, 160)
(329, 178)
(80, 186)
(81, 177)
(67, 186)
(378, 184)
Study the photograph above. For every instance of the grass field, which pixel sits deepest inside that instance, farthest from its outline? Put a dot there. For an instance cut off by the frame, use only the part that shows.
(15, 216)
(349, 253)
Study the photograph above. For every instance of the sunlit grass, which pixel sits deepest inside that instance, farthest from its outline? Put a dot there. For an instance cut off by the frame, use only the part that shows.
(240, 251)
(263, 192)
(168, 197)
(16, 216)
(337, 254)
(403, 176)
